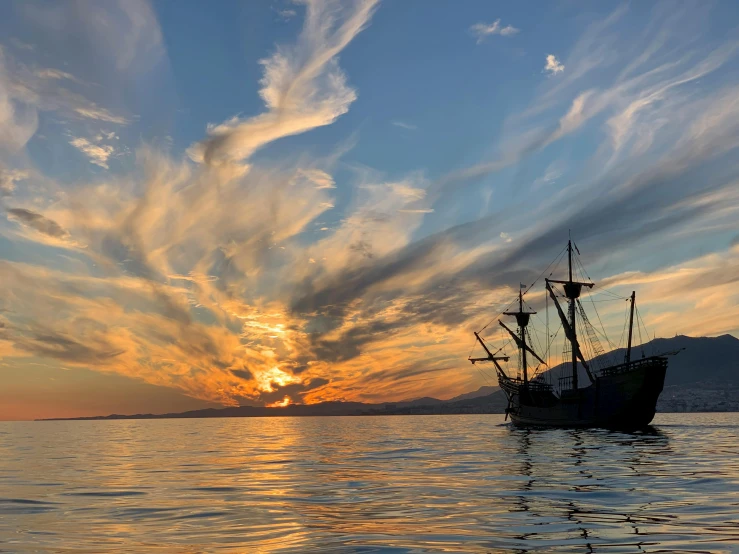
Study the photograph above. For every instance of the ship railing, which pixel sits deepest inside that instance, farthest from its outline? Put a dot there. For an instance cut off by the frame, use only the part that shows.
(513, 385)
(627, 367)
(539, 386)
(565, 383)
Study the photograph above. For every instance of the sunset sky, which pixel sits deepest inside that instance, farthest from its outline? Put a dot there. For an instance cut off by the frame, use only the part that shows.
(224, 203)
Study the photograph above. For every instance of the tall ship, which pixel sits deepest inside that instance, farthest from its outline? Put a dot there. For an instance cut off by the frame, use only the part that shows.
(584, 391)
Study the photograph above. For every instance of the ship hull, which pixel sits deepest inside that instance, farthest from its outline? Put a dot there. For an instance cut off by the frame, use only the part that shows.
(624, 398)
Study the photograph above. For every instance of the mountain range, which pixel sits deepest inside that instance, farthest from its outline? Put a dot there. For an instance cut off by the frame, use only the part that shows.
(703, 375)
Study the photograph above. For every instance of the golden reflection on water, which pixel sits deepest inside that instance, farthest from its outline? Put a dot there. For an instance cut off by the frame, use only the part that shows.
(367, 484)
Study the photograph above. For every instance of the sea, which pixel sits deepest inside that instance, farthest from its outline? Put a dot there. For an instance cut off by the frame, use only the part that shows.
(390, 484)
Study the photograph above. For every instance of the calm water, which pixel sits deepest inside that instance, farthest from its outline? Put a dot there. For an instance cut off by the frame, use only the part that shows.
(368, 484)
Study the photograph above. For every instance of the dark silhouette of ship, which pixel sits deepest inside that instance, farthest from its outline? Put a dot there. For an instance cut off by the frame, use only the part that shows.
(619, 396)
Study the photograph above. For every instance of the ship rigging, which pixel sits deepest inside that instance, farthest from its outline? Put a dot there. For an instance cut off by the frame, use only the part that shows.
(616, 394)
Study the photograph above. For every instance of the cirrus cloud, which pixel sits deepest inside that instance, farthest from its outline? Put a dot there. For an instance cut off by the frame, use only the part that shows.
(483, 30)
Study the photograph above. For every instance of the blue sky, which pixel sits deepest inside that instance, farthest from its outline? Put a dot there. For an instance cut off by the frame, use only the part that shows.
(259, 202)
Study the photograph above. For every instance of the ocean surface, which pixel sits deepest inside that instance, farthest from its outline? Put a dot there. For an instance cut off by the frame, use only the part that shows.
(368, 484)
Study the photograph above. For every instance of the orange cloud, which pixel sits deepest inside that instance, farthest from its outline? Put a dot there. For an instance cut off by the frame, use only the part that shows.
(206, 273)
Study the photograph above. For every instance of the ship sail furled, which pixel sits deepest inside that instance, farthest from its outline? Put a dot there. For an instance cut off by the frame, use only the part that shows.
(568, 332)
(490, 357)
(520, 343)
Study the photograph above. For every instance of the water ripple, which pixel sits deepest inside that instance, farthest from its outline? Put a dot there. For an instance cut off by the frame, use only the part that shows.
(368, 484)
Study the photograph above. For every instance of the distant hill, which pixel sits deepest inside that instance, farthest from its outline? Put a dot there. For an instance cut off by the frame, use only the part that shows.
(703, 359)
(425, 401)
(698, 359)
(493, 403)
(485, 390)
(702, 376)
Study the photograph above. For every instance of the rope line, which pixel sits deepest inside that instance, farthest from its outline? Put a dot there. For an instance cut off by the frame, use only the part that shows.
(590, 333)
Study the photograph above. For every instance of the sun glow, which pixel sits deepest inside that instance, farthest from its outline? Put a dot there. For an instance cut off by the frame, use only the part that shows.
(281, 404)
(274, 376)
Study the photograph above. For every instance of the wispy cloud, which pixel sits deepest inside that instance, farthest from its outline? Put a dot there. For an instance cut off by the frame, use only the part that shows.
(38, 222)
(54, 74)
(483, 30)
(287, 14)
(303, 86)
(29, 92)
(320, 178)
(98, 154)
(554, 171)
(17, 125)
(667, 294)
(553, 65)
(140, 32)
(92, 111)
(20, 45)
(9, 178)
(404, 125)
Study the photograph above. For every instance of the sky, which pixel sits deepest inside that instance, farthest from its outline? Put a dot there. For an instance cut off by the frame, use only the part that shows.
(261, 203)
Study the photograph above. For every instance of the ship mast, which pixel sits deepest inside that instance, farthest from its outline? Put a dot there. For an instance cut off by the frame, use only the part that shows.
(631, 326)
(572, 298)
(522, 318)
(572, 292)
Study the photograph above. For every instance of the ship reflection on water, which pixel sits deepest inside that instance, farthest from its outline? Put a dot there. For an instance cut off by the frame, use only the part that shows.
(399, 484)
(591, 522)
